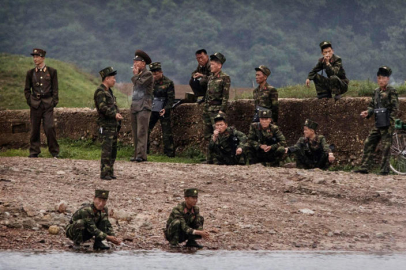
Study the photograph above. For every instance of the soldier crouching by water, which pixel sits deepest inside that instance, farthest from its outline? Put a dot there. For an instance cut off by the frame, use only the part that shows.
(185, 222)
(312, 150)
(92, 220)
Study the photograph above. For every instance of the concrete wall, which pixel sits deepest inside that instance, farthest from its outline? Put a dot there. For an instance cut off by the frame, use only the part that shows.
(338, 121)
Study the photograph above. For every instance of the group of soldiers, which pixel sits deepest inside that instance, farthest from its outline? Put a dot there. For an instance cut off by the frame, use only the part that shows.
(153, 98)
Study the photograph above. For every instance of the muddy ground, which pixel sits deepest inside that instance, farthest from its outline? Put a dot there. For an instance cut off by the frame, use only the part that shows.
(245, 208)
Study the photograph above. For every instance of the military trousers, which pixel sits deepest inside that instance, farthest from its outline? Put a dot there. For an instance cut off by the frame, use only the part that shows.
(199, 88)
(109, 150)
(174, 233)
(273, 156)
(227, 158)
(304, 161)
(383, 135)
(166, 131)
(44, 113)
(208, 119)
(327, 86)
(79, 233)
(139, 126)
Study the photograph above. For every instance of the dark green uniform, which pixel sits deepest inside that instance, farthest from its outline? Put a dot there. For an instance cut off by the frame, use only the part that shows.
(270, 136)
(335, 83)
(224, 148)
(199, 85)
(181, 224)
(88, 222)
(389, 100)
(106, 106)
(310, 154)
(267, 97)
(164, 89)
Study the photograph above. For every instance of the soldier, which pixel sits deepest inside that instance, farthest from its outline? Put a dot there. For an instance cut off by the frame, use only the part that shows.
(266, 141)
(336, 83)
(185, 222)
(108, 121)
(265, 95)
(199, 79)
(141, 104)
(164, 96)
(227, 144)
(385, 99)
(41, 93)
(92, 220)
(312, 150)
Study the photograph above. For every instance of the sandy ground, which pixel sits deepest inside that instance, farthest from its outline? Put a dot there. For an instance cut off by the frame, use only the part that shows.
(245, 208)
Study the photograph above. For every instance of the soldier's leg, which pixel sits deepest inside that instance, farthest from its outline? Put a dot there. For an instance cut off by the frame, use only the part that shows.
(152, 122)
(113, 151)
(278, 155)
(142, 131)
(251, 154)
(169, 148)
(208, 125)
(107, 137)
(302, 162)
(323, 163)
(369, 148)
(322, 86)
(35, 139)
(386, 143)
(49, 129)
(174, 232)
(134, 132)
(77, 232)
(195, 85)
(337, 85)
(197, 225)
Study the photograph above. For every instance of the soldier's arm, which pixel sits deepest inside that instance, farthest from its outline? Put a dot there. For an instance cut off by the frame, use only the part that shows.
(371, 105)
(334, 68)
(109, 228)
(296, 147)
(28, 85)
(275, 104)
(394, 104)
(281, 139)
(317, 68)
(242, 138)
(226, 92)
(91, 227)
(145, 79)
(55, 89)
(253, 138)
(177, 214)
(325, 146)
(101, 103)
(171, 97)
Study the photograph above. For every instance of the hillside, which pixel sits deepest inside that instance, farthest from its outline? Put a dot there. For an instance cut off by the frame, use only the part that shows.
(76, 87)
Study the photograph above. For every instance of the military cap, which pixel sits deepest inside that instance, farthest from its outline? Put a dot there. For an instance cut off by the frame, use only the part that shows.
(325, 44)
(220, 116)
(264, 70)
(311, 124)
(108, 71)
(191, 192)
(265, 113)
(155, 66)
(219, 57)
(201, 51)
(384, 71)
(100, 193)
(142, 56)
(39, 52)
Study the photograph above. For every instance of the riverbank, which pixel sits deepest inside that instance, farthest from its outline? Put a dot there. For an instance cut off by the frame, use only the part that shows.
(245, 208)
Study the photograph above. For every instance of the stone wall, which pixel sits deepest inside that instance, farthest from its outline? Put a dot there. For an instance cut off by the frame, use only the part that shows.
(339, 121)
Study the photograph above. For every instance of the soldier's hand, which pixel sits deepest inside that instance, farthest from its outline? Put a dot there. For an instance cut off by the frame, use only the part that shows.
(331, 157)
(162, 112)
(286, 150)
(238, 152)
(204, 234)
(307, 82)
(136, 70)
(364, 114)
(113, 239)
(197, 75)
(119, 116)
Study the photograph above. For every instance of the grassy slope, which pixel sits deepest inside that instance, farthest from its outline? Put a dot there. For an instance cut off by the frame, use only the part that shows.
(76, 88)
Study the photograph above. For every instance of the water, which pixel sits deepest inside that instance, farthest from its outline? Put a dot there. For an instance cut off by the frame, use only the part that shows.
(234, 260)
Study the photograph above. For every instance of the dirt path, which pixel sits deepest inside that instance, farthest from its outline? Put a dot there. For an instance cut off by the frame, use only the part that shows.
(245, 208)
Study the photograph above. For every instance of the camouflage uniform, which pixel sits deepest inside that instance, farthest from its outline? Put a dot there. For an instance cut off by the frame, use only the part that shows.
(270, 136)
(223, 149)
(88, 222)
(181, 224)
(336, 81)
(106, 106)
(164, 89)
(199, 85)
(267, 97)
(310, 154)
(389, 100)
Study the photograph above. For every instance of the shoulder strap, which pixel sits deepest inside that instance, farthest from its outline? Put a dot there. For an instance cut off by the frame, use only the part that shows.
(378, 98)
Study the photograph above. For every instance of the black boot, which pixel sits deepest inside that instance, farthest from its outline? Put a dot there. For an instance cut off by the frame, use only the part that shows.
(99, 245)
(193, 243)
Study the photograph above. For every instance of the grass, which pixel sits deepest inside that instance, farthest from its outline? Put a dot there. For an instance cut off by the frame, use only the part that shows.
(76, 87)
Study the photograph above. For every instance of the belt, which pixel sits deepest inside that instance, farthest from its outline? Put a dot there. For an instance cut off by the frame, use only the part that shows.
(43, 95)
(214, 102)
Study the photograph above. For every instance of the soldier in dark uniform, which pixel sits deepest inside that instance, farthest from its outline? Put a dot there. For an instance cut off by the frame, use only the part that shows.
(336, 82)
(109, 119)
(143, 87)
(312, 150)
(164, 96)
(41, 93)
(266, 141)
(385, 97)
(185, 222)
(227, 145)
(92, 220)
(199, 79)
(265, 95)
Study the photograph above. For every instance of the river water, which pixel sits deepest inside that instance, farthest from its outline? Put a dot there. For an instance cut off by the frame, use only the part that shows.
(234, 260)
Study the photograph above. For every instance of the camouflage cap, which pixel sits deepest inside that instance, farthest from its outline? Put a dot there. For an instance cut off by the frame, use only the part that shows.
(142, 56)
(265, 113)
(384, 71)
(219, 57)
(191, 192)
(39, 52)
(220, 117)
(100, 193)
(264, 70)
(325, 44)
(155, 66)
(311, 124)
(108, 71)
